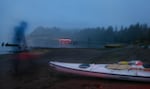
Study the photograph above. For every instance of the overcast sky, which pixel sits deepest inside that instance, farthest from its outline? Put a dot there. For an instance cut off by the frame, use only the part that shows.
(72, 13)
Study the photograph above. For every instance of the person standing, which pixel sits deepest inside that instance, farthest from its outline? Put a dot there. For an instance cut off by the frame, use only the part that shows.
(20, 41)
(19, 36)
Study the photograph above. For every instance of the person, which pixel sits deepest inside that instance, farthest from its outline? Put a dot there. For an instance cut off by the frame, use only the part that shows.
(19, 36)
(20, 41)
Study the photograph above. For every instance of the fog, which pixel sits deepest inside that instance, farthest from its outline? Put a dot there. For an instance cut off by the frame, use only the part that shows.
(90, 37)
(71, 14)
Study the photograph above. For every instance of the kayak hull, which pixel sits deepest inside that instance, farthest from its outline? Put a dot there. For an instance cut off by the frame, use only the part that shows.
(98, 74)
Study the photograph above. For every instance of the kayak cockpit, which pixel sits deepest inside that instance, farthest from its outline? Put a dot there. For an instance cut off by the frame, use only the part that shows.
(84, 65)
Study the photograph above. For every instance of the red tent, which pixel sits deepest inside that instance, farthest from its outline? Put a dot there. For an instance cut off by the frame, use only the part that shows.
(65, 41)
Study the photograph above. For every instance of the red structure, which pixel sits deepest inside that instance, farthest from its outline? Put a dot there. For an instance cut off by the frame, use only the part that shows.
(65, 41)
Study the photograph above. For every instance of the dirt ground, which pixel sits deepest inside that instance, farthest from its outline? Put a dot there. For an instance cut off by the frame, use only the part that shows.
(36, 74)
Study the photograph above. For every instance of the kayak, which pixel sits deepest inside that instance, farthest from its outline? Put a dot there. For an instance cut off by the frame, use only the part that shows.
(120, 70)
(114, 46)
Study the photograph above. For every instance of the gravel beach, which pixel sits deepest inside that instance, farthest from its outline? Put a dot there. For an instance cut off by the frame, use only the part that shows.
(38, 75)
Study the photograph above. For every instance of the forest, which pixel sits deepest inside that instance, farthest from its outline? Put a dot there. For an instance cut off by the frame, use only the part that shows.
(133, 34)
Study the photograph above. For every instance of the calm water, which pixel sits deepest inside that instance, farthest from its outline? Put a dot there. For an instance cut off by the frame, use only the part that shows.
(5, 50)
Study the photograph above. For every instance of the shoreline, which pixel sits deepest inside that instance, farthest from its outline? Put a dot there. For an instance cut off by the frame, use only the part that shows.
(40, 77)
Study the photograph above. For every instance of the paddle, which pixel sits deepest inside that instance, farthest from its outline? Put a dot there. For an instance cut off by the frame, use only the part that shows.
(8, 44)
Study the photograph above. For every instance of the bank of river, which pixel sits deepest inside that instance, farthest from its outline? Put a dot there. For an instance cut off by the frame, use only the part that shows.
(40, 77)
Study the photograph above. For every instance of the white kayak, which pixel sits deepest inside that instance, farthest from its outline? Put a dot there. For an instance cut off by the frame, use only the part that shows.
(110, 71)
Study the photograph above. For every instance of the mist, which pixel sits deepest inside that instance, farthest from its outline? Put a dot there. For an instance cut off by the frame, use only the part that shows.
(90, 37)
(70, 14)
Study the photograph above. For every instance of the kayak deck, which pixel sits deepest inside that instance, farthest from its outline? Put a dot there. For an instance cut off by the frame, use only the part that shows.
(103, 68)
(101, 71)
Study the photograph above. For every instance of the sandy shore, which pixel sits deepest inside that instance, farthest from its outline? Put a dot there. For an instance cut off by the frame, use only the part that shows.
(38, 76)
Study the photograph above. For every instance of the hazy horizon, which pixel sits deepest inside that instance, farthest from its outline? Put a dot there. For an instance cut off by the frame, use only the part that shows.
(71, 14)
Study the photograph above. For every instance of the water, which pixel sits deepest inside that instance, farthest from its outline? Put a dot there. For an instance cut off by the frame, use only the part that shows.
(8, 50)
(56, 44)
(5, 50)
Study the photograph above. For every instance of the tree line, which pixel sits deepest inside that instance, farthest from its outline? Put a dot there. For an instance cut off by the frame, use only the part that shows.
(135, 33)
